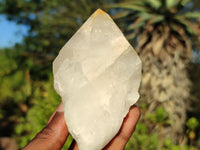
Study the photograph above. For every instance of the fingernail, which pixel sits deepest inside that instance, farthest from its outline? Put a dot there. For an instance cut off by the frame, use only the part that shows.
(57, 118)
(60, 108)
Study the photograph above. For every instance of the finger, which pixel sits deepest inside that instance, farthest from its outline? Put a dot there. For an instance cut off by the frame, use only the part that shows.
(127, 128)
(60, 108)
(52, 137)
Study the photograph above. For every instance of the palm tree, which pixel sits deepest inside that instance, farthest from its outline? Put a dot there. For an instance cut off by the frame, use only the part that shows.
(161, 31)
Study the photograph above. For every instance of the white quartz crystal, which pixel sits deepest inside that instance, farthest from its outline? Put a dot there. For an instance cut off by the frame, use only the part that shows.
(97, 73)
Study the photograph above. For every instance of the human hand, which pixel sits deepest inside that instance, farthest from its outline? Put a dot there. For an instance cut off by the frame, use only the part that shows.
(54, 135)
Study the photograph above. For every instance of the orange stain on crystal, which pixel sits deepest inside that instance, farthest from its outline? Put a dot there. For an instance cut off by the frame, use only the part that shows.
(99, 11)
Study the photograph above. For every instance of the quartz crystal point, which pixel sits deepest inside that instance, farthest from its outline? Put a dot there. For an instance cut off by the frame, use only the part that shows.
(97, 73)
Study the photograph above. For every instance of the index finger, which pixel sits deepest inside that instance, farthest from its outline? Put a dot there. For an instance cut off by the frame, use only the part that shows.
(127, 128)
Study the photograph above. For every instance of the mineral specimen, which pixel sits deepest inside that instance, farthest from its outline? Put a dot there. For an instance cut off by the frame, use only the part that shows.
(97, 73)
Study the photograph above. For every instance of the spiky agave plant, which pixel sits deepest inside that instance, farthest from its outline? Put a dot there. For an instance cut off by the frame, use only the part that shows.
(161, 31)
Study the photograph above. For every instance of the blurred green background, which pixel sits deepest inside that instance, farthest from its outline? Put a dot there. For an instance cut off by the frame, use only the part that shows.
(166, 35)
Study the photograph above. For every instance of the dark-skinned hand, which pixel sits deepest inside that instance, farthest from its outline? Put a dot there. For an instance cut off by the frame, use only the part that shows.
(54, 135)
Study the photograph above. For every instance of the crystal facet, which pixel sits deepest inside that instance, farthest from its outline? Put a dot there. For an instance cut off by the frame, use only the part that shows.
(97, 73)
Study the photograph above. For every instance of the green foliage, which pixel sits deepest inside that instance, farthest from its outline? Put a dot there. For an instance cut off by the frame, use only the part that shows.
(142, 139)
(150, 26)
(51, 23)
(144, 14)
(159, 116)
(15, 89)
(44, 102)
(192, 123)
(27, 103)
(27, 96)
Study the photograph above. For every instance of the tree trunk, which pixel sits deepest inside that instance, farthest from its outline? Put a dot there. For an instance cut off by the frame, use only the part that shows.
(165, 82)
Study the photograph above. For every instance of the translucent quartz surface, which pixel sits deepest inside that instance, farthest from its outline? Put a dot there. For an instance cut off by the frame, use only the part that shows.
(97, 73)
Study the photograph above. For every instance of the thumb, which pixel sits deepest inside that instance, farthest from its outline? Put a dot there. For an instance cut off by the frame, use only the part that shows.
(52, 137)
